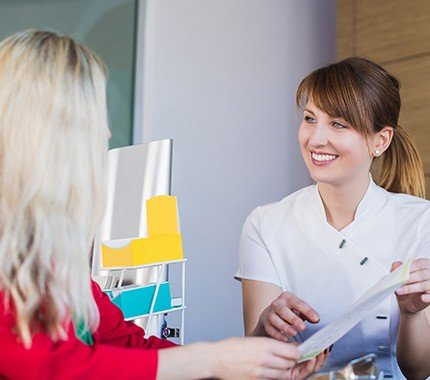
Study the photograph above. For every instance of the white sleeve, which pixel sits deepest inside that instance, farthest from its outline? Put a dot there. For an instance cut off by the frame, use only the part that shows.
(255, 262)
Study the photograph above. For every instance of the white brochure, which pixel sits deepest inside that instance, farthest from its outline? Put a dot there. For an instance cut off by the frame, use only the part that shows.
(336, 329)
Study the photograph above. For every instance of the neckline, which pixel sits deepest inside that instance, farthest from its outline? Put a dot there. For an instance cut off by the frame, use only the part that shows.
(369, 204)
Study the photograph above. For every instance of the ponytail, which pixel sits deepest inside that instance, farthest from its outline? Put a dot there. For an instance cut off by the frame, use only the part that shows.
(400, 167)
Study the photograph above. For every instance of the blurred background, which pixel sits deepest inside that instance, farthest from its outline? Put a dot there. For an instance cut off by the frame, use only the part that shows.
(219, 78)
(396, 35)
(107, 26)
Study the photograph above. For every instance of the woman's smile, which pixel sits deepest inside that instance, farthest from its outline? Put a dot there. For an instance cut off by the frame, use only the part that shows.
(320, 158)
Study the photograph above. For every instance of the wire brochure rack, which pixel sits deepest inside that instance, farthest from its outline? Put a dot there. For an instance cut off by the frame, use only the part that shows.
(162, 251)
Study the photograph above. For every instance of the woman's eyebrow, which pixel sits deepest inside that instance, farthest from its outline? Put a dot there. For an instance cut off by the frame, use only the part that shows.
(310, 111)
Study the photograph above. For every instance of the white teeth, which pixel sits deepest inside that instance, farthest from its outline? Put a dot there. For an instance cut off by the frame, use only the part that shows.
(323, 157)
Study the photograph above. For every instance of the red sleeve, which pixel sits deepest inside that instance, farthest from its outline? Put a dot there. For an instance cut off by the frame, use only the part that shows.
(113, 330)
(72, 359)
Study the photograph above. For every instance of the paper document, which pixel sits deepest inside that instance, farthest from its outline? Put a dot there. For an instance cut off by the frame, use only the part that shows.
(336, 329)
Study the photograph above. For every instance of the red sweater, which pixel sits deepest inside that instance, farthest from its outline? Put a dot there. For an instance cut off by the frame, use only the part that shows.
(120, 350)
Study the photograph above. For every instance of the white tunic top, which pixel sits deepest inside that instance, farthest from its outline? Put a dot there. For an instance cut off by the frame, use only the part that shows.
(291, 244)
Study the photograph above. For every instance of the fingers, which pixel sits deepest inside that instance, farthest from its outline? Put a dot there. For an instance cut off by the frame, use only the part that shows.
(280, 358)
(419, 279)
(419, 275)
(321, 358)
(254, 358)
(395, 265)
(287, 351)
(279, 322)
(304, 369)
(313, 364)
(287, 315)
(300, 371)
(290, 301)
(275, 333)
(416, 265)
(306, 311)
(278, 363)
(419, 264)
(419, 287)
(284, 316)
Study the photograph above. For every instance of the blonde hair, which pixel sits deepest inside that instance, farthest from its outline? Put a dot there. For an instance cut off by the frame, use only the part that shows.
(53, 143)
(365, 95)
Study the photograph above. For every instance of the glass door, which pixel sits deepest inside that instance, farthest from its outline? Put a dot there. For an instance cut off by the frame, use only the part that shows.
(106, 26)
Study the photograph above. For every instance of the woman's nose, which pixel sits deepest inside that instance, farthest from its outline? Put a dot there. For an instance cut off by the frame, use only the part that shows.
(318, 136)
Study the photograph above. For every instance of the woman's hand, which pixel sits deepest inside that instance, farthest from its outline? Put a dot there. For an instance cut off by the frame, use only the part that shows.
(414, 296)
(235, 359)
(261, 358)
(285, 316)
(303, 370)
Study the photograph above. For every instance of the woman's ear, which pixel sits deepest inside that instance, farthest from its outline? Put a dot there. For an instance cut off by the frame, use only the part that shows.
(382, 140)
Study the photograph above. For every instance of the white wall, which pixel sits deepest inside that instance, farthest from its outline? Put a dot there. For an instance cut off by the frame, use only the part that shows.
(219, 77)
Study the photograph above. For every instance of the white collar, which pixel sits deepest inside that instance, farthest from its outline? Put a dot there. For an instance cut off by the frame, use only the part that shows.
(371, 203)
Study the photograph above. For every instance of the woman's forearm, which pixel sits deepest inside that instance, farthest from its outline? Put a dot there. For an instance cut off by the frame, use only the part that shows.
(193, 361)
(413, 346)
(258, 330)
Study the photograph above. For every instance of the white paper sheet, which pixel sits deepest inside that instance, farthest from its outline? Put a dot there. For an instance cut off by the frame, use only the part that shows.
(336, 329)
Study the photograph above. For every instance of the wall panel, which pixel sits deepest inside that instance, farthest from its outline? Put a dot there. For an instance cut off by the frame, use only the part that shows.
(414, 76)
(389, 30)
(345, 28)
(395, 34)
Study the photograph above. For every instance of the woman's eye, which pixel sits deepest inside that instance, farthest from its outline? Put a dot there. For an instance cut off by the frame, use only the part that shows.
(337, 125)
(310, 119)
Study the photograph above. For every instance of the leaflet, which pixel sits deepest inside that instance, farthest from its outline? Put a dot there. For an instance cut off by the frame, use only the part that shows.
(336, 329)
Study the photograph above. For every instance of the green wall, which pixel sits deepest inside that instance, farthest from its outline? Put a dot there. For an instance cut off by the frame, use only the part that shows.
(106, 26)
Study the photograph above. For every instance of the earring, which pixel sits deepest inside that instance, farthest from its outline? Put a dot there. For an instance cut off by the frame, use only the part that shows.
(377, 152)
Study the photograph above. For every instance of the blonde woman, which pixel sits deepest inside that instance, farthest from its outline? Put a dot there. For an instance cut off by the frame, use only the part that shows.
(54, 322)
(305, 259)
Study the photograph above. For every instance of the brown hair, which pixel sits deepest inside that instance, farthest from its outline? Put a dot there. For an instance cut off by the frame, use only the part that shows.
(365, 95)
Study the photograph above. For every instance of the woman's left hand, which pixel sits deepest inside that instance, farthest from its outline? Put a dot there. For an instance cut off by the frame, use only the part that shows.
(414, 296)
(303, 370)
